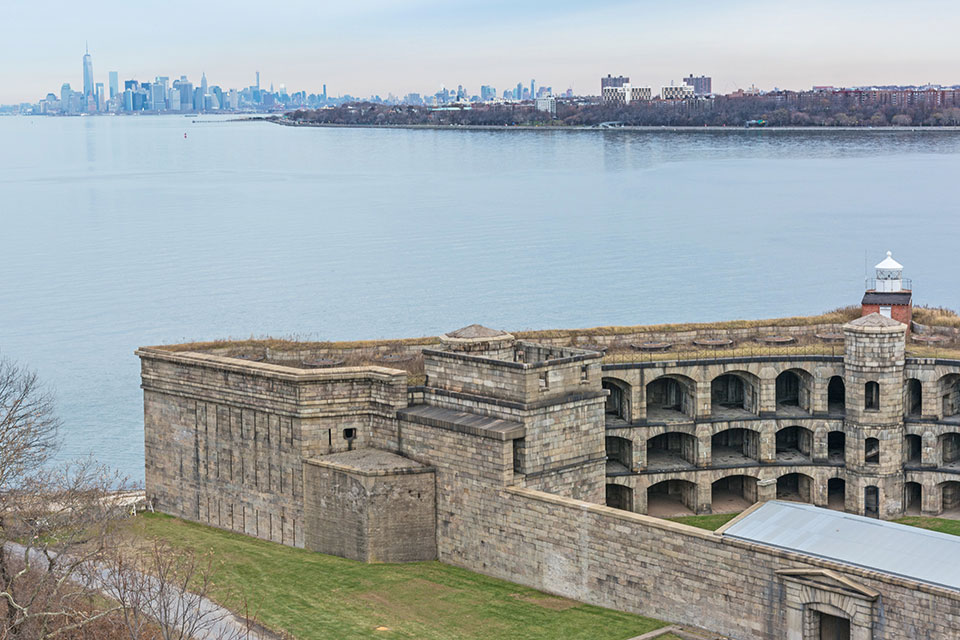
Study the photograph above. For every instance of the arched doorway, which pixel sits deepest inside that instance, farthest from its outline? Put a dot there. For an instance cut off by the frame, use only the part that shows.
(797, 487)
(793, 392)
(836, 446)
(619, 454)
(836, 494)
(950, 499)
(950, 451)
(733, 494)
(912, 498)
(618, 401)
(672, 498)
(672, 451)
(913, 398)
(620, 497)
(735, 446)
(871, 502)
(794, 444)
(836, 395)
(912, 449)
(670, 398)
(734, 395)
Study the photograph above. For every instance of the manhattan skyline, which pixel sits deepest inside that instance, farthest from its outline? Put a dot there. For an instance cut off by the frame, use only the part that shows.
(393, 46)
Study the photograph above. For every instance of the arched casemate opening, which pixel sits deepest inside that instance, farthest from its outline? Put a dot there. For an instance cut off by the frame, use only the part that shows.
(733, 447)
(734, 395)
(672, 451)
(912, 449)
(733, 494)
(618, 401)
(619, 454)
(912, 498)
(795, 486)
(949, 386)
(950, 498)
(836, 494)
(913, 398)
(871, 501)
(836, 395)
(672, 498)
(794, 444)
(871, 396)
(836, 446)
(950, 451)
(670, 398)
(620, 497)
(871, 451)
(793, 392)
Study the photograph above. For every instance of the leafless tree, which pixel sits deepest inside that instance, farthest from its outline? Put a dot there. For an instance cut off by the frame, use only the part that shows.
(62, 571)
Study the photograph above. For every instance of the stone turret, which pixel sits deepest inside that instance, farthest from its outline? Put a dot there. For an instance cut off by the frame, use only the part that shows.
(873, 367)
(478, 340)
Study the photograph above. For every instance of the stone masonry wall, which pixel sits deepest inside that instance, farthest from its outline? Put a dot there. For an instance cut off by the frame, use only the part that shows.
(225, 439)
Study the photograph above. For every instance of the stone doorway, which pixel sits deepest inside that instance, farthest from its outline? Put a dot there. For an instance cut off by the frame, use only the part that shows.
(834, 627)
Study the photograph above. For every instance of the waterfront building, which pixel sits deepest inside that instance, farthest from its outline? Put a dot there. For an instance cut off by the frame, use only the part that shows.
(676, 92)
(702, 86)
(548, 105)
(613, 81)
(114, 84)
(625, 94)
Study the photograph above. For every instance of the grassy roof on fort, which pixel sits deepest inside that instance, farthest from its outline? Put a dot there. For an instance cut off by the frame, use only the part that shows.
(837, 316)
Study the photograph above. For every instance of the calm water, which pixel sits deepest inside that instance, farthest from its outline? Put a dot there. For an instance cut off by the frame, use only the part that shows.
(118, 232)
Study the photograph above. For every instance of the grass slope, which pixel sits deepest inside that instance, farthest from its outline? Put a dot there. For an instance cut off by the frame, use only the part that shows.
(310, 595)
(934, 524)
(710, 522)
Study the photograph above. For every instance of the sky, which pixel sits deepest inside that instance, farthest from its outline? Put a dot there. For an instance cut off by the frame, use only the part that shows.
(365, 47)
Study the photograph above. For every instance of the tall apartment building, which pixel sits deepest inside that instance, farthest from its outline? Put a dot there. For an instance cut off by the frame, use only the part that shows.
(613, 81)
(702, 86)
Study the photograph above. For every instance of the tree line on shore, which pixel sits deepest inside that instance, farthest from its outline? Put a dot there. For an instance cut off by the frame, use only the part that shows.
(720, 111)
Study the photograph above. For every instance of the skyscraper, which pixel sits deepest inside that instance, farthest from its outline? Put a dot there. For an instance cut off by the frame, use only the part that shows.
(114, 84)
(87, 74)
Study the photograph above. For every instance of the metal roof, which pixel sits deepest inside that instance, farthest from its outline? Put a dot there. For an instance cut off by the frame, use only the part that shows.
(889, 263)
(898, 549)
(887, 297)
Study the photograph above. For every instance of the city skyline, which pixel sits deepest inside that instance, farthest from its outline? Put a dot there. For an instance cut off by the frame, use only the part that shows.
(389, 46)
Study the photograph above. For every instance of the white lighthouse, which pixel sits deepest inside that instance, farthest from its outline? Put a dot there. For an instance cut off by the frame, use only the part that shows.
(889, 275)
(888, 293)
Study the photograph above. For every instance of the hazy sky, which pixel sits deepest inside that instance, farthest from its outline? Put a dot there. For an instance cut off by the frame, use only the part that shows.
(366, 46)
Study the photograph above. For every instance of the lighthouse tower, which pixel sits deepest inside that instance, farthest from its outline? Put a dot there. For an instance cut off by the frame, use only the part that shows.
(889, 294)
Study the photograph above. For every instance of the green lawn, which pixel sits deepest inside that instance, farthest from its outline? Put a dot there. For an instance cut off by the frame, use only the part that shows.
(934, 524)
(710, 522)
(310, 595)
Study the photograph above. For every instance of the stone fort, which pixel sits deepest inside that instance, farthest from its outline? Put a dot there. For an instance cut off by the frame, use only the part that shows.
(542, 462)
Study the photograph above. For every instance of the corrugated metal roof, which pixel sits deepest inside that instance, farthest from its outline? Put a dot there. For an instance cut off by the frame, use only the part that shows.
(909, 552)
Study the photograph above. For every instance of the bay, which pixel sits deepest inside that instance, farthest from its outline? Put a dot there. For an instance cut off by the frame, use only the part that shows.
(117, 232)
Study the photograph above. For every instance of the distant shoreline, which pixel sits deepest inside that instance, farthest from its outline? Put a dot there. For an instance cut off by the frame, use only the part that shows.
(663, 128)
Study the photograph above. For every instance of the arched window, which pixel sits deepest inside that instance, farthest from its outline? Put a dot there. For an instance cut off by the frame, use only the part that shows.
(871, 396)
(871, 451)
